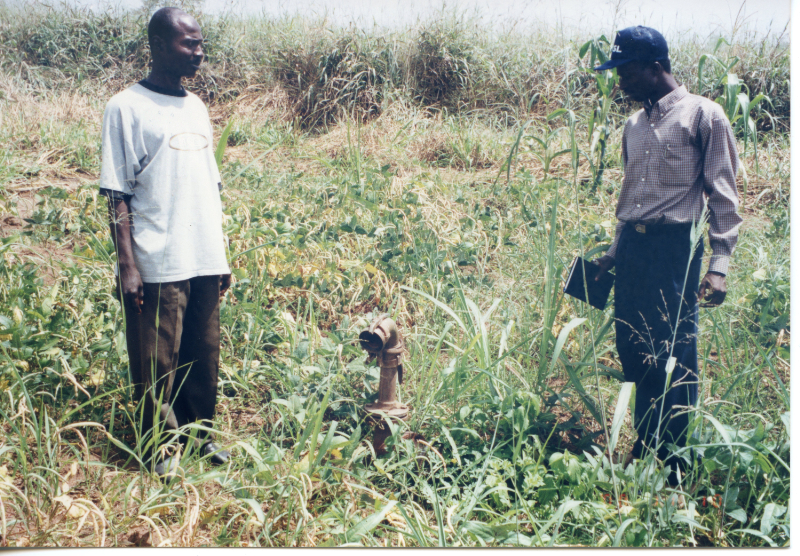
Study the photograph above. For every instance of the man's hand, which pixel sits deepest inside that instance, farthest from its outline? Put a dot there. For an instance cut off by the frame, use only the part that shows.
(713, 289)
(224, 284)
(605, 263)
(131, 288)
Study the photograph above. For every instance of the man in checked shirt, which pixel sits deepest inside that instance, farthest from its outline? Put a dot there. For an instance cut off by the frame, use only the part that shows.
(680, 155)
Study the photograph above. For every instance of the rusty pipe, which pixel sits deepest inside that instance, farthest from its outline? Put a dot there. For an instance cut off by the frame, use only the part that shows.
(383, 340)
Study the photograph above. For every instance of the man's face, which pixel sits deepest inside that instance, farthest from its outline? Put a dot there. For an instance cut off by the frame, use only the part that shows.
(637, 79)
(182, 54)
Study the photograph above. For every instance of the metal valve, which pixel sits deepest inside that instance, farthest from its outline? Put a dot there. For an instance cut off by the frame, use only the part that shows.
(382, 340)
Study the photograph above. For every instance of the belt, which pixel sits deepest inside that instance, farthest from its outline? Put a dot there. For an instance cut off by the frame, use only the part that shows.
(652, 228)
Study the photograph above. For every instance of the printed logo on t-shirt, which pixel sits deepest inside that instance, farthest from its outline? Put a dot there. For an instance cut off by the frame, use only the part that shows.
(188, 142)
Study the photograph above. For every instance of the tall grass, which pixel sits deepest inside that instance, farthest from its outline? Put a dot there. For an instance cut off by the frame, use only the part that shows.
(451, 63)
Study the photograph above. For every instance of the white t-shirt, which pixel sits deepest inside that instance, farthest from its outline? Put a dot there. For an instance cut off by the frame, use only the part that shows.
(159, 149)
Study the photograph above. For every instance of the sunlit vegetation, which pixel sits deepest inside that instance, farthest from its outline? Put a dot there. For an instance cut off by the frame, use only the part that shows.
(441, 174)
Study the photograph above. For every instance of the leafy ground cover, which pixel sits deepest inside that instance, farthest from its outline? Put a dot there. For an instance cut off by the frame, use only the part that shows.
(446, 181)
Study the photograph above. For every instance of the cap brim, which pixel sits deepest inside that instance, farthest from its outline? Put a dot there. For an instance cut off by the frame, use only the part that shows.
(611, 64)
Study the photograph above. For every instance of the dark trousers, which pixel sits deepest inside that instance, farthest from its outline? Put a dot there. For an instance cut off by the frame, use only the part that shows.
(649, 295)
(173, 347)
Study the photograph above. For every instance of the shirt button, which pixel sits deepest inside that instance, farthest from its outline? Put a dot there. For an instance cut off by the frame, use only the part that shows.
(638, 206)
(652, 125)
(646, 152)
(642, 179)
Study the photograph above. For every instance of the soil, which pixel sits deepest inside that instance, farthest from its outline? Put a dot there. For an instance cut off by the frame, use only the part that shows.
(587, 425)
(49, 255)
(11, 224)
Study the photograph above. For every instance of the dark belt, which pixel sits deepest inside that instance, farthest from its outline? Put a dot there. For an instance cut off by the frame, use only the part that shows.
(652, 228)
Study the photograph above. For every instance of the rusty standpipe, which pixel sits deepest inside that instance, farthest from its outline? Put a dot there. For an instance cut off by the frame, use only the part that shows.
(382, 340)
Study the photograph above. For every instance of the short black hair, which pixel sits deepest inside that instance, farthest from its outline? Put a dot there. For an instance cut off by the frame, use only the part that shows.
(163, 24)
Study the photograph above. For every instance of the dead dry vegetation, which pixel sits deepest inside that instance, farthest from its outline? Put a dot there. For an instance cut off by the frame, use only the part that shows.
(444, 179)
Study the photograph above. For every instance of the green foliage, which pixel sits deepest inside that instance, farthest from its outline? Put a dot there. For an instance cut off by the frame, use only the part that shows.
(738, 106)
(219, 153)
(600, 124)
(329, 76)
(721, 68)
(769, 300)
(440, 64)
(326, 71)
(68, 39)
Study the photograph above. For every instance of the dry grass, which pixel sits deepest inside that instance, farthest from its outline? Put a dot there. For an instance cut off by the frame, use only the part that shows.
(256, 104)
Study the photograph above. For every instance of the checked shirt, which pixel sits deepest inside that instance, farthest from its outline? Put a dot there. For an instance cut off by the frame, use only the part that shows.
(680, 153)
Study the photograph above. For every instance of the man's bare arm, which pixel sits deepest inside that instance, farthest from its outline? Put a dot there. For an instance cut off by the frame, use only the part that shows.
(130, 282)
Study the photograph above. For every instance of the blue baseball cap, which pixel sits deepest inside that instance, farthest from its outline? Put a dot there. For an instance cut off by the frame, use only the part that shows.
(636, 43)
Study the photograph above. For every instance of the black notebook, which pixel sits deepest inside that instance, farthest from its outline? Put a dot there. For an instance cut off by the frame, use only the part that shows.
(598, 290)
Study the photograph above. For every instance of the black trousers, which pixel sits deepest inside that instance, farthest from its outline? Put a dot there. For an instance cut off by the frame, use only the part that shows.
(173, 347)
(656, 316)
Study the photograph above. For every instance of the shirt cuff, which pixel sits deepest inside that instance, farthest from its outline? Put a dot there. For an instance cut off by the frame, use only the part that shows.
(719, 263)
(612, 250)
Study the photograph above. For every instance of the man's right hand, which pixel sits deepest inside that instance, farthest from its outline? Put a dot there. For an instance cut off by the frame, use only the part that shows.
(605, 263)
(132, 288)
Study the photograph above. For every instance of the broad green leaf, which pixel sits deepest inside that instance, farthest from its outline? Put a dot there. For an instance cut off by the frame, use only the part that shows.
(755, 533)
(720, 429)
(562, 338)
(621, 531)
(574, 470)
(439, 304)
(326, 443)
(700, 65)
(772, 512)
(681, 518)
(558, 517)
(223, 142)
(452, 444)
(738, 514)
(368, 523)
(619, 413)
(256, 507)
(786, 419)
(479, 529)
(247, 447)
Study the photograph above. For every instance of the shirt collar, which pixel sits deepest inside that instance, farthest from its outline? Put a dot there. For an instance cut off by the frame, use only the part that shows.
(161, 90)
(666, 102)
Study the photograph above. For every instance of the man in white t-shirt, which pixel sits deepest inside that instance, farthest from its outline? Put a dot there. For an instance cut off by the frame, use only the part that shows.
(162, 183)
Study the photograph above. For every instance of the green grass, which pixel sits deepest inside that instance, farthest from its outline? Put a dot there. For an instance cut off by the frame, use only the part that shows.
(458, 216)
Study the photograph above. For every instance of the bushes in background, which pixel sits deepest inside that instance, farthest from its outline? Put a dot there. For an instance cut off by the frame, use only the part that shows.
(443, 64)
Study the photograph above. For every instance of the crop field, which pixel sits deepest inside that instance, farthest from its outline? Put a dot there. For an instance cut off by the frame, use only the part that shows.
(443, 174)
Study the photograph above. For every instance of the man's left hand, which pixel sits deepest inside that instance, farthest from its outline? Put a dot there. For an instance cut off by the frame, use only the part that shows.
(224, 284)
(713, 289)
